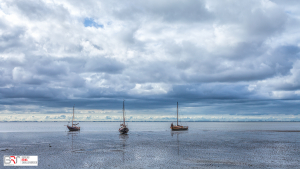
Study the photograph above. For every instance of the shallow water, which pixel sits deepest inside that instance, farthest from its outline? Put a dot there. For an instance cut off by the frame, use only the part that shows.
(153, 145)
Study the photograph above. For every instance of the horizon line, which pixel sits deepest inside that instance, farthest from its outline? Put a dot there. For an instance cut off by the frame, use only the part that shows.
(157, 121)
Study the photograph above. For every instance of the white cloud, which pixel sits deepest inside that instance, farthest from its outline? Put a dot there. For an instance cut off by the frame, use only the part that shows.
(147, 50)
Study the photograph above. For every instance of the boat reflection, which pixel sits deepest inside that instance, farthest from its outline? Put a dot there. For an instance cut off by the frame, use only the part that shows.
(177, 133)
(123, 138)
(72, 135)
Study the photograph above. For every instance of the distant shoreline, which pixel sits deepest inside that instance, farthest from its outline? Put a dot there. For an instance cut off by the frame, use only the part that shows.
(148, 121)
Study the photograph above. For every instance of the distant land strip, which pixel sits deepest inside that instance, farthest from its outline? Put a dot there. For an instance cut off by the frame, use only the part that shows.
(153, 121)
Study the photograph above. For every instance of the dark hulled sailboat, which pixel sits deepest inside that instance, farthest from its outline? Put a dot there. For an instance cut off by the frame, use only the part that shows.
(178, 127)
(74, 127)
(123, 129)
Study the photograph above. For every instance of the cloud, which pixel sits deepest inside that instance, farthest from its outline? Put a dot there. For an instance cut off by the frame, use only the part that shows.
(229, 57)
(177, 11)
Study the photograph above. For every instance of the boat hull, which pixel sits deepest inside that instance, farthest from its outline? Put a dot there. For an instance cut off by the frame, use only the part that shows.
(123, 130)
(73, 128)
(179, 128)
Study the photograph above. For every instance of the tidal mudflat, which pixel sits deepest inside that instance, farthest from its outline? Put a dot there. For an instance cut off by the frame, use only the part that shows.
(153, 145)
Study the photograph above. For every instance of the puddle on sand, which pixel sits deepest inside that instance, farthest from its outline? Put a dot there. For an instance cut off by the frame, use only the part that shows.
(4, 149)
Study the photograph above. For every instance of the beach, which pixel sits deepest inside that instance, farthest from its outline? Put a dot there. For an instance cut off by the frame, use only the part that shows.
(154, 145)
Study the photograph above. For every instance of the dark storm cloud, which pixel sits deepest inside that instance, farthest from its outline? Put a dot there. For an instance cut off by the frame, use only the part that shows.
(31, 92)
(246, 62)
(209, 91)
(239, 55)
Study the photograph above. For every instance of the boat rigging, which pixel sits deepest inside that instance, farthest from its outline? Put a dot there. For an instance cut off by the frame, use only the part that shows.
(74, 127)
(178, 127)
(123, 128)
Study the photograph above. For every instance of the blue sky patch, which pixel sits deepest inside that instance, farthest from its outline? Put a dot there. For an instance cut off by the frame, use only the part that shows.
(89, 22)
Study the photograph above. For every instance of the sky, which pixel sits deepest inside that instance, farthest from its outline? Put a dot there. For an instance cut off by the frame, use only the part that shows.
(225, 60)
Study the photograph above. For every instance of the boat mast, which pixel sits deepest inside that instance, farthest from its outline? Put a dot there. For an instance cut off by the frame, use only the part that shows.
(73, 115)
(177, 113)
(123, 113)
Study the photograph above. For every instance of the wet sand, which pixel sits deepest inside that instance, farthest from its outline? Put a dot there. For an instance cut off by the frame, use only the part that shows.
(205, 145)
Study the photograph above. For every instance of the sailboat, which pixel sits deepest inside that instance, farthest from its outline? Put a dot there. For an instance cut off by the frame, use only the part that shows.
(74, 127)
(123, 128)
(178, 127)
